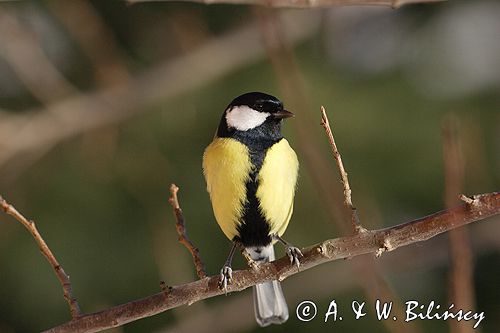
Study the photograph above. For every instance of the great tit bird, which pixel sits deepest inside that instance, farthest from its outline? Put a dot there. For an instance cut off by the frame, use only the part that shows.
(251, 174)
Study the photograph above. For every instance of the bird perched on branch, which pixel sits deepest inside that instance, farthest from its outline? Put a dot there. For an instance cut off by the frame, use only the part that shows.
(251, 173)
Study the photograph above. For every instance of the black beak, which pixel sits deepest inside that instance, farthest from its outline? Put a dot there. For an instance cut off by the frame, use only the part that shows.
(283, 114)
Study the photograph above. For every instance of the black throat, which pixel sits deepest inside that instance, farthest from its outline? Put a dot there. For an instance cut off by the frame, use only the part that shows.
(254, 229)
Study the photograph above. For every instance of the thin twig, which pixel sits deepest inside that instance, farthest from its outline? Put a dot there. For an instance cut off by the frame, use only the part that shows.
(389, 239)
(44, 248)
(303, 3)
(183, 237)
(343, 174)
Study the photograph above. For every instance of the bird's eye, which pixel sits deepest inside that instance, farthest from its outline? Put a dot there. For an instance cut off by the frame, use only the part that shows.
(259, 106)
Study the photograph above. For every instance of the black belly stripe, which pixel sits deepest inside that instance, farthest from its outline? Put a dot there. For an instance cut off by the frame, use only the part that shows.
(254, 229)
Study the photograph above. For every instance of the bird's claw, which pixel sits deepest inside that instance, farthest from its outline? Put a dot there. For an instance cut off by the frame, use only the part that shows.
(226, 277)
(294, 254)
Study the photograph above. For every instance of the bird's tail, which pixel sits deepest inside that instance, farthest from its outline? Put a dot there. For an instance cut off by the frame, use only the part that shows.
(268, 299)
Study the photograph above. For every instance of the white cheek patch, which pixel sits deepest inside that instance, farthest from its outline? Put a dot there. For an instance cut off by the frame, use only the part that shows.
(244, 118)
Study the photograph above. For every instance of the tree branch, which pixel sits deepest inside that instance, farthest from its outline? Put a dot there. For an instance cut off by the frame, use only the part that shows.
(183, 237)
(372, 241)
(44, 248)
(301, 3)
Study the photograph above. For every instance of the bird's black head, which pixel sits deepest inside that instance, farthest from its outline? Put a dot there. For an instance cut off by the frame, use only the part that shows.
(255, 115)
(258, 101)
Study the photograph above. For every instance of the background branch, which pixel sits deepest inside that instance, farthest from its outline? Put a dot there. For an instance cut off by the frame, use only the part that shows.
(38, 130)
(97, 41)
(302, 3)
(461, 284)
(371, 241)
(23, 51)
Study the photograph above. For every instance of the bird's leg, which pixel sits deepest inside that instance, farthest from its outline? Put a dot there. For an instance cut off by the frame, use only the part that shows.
(226, 273)
(293, 252)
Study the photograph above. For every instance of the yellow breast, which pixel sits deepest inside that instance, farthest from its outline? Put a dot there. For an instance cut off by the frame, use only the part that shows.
(277, 182)
(227, 166)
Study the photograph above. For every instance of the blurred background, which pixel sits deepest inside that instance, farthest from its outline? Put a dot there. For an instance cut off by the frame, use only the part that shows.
(104, 104)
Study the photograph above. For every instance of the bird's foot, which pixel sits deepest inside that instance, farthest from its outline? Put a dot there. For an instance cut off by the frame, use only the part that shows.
(294, 254)
(226, 277)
